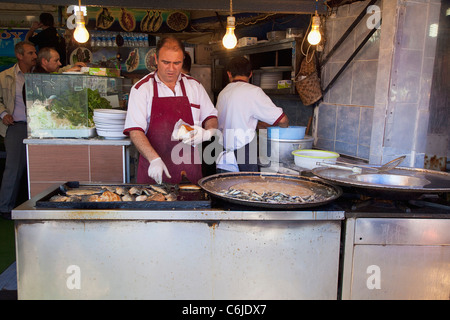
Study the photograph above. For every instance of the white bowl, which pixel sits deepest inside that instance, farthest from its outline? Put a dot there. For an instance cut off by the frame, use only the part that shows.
(310, 159)
(111, 134)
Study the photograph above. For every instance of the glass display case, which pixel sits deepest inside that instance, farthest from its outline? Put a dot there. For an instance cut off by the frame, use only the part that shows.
(62, 105)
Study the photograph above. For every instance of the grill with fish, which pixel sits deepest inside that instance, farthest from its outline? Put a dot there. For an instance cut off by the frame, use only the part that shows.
(73, 195)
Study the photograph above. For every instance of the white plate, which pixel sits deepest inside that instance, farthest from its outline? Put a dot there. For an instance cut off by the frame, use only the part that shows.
(109, 127)
(103, 120)
(110, 113)
(277, 69)
(111, 134)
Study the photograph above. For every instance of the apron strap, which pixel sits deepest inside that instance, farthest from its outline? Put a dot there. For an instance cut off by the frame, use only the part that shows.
(155, 87)
(183, 89)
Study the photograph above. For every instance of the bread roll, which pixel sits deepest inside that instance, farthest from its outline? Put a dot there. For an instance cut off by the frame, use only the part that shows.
(156, 197)
(108, 196)
(183, 130)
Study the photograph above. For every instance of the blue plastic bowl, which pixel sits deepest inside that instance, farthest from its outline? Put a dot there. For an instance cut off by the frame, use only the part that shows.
(289, 133)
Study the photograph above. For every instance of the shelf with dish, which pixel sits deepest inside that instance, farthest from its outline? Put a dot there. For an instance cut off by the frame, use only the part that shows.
(271, 61)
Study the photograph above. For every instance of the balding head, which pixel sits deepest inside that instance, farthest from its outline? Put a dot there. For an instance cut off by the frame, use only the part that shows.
(171, 43)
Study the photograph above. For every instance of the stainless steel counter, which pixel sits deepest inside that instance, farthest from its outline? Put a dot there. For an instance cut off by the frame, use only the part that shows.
(197, 254)
(396, 258)
(234, 253)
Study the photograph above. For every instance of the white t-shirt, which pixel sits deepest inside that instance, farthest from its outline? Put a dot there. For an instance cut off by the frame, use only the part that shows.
(241, 105)
(141, 97)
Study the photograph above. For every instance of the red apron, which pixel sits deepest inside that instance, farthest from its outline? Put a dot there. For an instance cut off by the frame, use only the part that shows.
(166, 111)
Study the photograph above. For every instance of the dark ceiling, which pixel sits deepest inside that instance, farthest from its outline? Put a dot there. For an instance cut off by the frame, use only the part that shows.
(278, 6)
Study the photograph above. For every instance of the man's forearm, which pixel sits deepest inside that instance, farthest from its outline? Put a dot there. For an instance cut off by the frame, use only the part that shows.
(211, 123)
(143, 145)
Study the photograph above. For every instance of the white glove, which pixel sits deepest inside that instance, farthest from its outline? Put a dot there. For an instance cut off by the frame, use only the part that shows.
(156, 168)
(199, 136)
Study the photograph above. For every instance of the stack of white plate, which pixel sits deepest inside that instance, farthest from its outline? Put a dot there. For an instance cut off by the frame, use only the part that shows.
(109, 123)
(269, 80)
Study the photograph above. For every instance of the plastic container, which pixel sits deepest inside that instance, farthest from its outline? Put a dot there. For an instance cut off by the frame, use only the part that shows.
(276, 35)
(247, 41)
(294, 33)
(281, 150)
(310, 159)
(289, 133)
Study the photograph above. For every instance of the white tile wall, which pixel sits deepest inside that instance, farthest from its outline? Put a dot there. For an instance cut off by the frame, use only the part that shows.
(378, 108)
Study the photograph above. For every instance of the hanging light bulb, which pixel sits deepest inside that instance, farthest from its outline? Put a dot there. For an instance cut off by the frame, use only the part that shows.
(314, 35)
(80, 34)
(229, 40)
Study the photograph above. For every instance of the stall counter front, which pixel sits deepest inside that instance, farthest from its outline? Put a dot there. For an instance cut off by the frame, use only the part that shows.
(208, 253)
(54, 160)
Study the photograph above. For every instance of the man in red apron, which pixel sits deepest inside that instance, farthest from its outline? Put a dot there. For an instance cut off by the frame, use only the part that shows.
(156, 103)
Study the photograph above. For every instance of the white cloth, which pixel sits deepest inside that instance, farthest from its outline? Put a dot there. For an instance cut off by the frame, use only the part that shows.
(141, 97)
(241, 105)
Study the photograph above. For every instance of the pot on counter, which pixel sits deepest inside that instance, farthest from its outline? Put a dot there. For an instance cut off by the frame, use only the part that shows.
(281, 150)
(280, 142)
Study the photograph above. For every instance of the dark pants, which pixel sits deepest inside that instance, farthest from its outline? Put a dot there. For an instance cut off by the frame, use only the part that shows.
(15, 165)
(247, 156)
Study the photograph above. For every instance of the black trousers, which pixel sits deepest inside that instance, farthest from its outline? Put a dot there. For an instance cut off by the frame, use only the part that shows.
(250, 154)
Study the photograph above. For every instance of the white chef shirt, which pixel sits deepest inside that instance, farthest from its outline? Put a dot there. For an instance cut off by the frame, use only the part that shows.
(241, 105)
(141, 97)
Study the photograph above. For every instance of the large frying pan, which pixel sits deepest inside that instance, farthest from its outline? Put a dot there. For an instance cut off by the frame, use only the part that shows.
(322, 192)
(398, 183)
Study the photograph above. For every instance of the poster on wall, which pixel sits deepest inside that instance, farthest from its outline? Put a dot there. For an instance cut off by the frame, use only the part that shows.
(127, 59)
(8, 39)
(137, 20)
